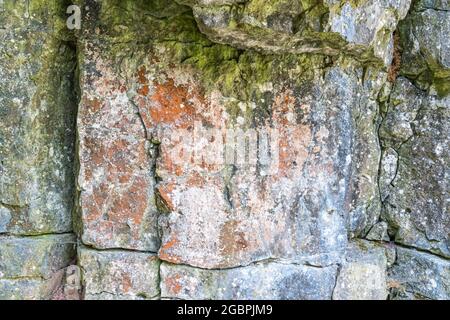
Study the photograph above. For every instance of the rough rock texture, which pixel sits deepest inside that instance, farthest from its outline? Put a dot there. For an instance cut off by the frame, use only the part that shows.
(304, 209)
(32, 267)
(37, 108)
(424, 38)
(110, 275)
(39, 256)
(23, 289)
(419, 275)
(224, 149)
(260, 281)
(414, 171)
(363, 28)
(116, 177)
(300, 203)
(362, 274)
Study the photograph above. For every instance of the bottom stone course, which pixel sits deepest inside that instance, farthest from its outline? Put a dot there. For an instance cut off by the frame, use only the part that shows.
(260, 281)
(117, 274)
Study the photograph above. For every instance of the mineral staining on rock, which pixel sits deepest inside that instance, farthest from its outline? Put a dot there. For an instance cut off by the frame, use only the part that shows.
(31, 267)
(37, 140)
(301, 211)
(226, 149)
(116, 167)
(214, 213)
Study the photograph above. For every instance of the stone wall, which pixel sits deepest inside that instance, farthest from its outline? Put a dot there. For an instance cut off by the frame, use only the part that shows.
(221, 149)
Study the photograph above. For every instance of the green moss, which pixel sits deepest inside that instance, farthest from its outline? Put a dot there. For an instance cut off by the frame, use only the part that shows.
(239, 74)
(442, 86)
(353, 3)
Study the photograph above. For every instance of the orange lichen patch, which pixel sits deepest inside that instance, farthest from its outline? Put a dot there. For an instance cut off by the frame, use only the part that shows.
(105, 228)
(171, 103)
(142, 78)
(94, 150)
(209, 167)
(93, 205)
(92, 105)
(290, 161)
(126, 283)
(231, 239)
(173, 283)
(120, 195)
(164, 251)
(283, 109)
(168, 162)
(144, 90)
(129, 204)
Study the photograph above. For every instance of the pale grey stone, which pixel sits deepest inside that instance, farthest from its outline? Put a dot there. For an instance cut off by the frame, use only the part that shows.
(379, 232)
(22, 289)
(362, 275)
(5, 219)
(388, 171)
(270, 280)
(364, 29)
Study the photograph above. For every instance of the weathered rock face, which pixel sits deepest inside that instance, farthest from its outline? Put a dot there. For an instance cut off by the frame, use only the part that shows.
(416, 135)
(226, 149)
(302, 208)
(415, 168)
(116, 177)
(362, 28)
(275, 162)
(35, 257)
(37, 139)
